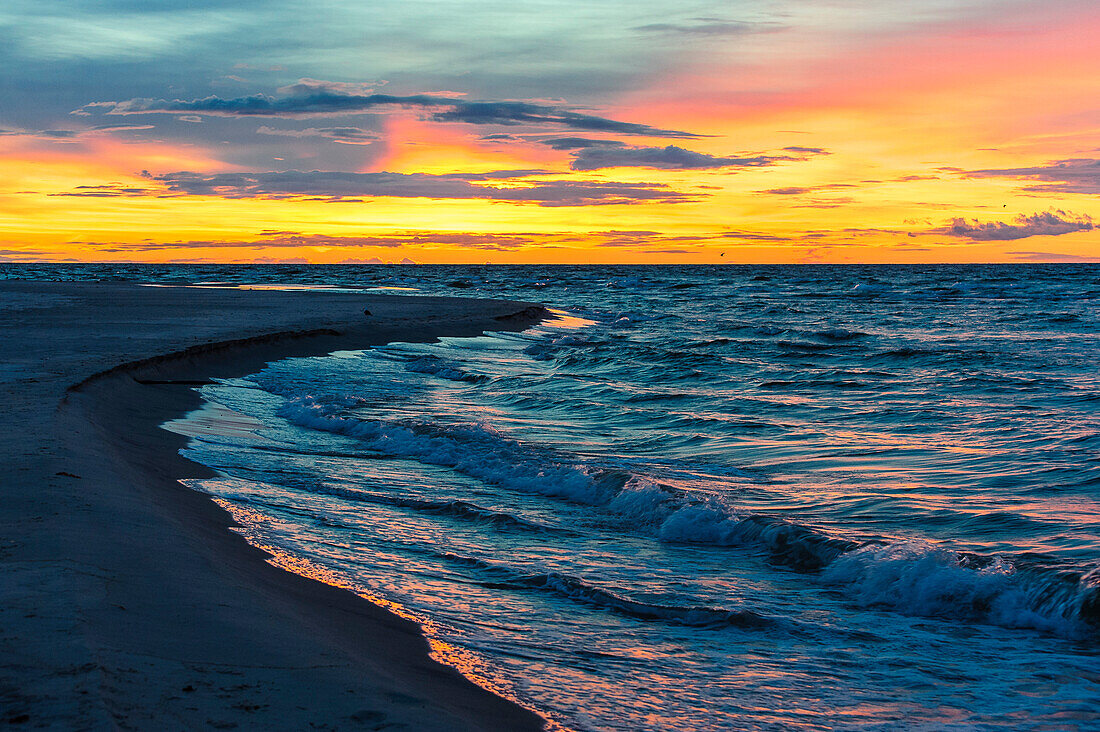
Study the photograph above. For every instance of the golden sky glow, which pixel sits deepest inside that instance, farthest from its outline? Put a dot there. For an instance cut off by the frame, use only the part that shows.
(720, 132)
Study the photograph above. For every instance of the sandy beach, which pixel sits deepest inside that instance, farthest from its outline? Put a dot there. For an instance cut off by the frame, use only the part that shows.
(125, 599)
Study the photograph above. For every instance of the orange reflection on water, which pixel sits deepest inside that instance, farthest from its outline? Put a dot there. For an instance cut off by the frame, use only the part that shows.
(563, 319)
(467, 663)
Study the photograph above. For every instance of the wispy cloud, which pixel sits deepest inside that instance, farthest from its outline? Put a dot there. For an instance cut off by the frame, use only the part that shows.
(1051, 257)
(576, 143)
(800, 149)
(711, 27)
(42, 134)
(69, 135)
(108, 190)
(598, 155)
(263, 240)
(1076, 175)
(345, 135)
(788, 191)
(18, 255)
(803, 190)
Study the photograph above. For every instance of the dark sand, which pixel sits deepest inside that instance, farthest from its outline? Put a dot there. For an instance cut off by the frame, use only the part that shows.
(125, 600)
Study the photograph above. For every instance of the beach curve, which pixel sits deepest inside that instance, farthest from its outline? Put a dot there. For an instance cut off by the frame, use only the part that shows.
(127, 602)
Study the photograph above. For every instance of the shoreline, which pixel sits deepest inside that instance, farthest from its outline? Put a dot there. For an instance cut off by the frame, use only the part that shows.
(153, 611)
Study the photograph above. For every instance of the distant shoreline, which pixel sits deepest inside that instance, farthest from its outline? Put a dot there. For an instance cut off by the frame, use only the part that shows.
(132, 603)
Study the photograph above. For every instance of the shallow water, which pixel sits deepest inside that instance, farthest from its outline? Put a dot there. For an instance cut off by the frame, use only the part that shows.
(710, 497)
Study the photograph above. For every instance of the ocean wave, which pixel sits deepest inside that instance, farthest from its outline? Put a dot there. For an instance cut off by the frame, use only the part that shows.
(915, 578)
(943, 353)
(838, 334)
(437, 366)
(910, 577)
(471, 449)
(585, 593)
(547, 348)
(664, 512)
(802, 345)
(699, 617)
(710, 342)
(676, 517)
(453, 508)
(656, 396)
(816, 384)
(920, 578)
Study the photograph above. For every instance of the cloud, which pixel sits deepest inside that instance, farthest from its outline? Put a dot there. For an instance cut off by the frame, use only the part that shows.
(64, 135)
(664, 158)
(265, 240)
(353, 260)
(345, 135)
(826, 202)
(107, 190)
(807, 150)
(311, 86)
(520, 113)
(292, 240)
(597, 154)
(751, 236)
(324, 99)
(274, 260)
(496, 174)
(802, 190)
(641, 240)
(71, 135)
(1051, 257)
(17, 255)
(340, 186)
(626, 238)
(578, 143)
(1045, 223)
(651, 238)
(792, 191)
(711, 27)
(1076, 175)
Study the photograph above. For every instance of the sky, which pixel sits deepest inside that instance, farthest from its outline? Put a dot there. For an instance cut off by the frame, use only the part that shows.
(550, 131)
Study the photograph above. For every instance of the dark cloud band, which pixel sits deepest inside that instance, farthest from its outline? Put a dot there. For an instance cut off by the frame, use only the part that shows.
(339, 186)
(317, 101)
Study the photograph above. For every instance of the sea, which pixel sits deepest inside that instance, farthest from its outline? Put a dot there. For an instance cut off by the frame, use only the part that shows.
(819, 497)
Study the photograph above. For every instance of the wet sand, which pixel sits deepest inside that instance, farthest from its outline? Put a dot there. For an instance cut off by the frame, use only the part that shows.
(125, 599)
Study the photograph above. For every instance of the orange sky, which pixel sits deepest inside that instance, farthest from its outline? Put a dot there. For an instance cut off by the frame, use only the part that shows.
(816, 135)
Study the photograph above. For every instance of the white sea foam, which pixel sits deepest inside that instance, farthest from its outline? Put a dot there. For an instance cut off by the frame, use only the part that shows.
(472, 449)
(920, 578)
